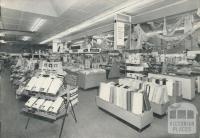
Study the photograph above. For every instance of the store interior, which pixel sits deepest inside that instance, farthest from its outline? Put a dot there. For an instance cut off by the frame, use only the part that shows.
(99, 69)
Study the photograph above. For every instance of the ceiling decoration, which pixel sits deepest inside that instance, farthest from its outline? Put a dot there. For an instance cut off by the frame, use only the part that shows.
(61, 15)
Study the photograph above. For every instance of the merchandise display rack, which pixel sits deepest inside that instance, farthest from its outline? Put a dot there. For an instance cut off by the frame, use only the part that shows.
(52, 118)
(139, 121)
(41, 95)
(188, 84)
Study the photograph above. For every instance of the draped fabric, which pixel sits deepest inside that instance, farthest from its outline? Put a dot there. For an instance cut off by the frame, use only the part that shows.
(188, 23)
(185, 23)
(141, 36)
(137, 104)
(158, 93)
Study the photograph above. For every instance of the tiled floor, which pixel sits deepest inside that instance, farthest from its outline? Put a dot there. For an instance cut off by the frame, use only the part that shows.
(92, 122)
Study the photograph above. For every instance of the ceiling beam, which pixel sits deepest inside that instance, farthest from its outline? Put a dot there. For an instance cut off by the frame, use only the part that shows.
(179, 7)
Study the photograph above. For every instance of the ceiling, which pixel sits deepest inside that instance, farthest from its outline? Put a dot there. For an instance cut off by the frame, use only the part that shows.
(60, 14)
(18, 16)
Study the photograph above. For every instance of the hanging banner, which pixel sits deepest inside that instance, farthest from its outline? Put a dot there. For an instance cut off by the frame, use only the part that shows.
(119, 34)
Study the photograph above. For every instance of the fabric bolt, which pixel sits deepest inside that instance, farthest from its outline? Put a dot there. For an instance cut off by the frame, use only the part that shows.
(165, 96)
(137, 104)
(155, 93)
(170, 85)
(147, 105)
(158, 93)
(111, 98)
(151, 93)
(124, 98)
(104, 92)
(129, 100)
(119, 98)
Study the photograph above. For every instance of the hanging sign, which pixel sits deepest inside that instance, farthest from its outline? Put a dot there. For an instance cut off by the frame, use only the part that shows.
(120, 33)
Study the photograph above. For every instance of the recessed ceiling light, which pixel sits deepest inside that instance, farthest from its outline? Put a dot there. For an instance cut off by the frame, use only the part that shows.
(26, 38)
(37, 24)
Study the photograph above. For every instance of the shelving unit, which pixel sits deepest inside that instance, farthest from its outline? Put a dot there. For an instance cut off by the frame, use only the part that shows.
(139, 121)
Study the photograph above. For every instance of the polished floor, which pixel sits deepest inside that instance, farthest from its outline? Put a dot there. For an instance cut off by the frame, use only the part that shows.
(92, 122)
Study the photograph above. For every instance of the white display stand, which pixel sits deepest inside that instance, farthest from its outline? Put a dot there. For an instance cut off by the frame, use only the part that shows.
(139, 121)
(188, 84)
(91, 80)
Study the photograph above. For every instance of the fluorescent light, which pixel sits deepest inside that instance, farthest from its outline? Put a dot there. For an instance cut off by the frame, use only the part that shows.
(132, 4)
(2, 34)
(26, 38)
(37, 24)
(3, 41)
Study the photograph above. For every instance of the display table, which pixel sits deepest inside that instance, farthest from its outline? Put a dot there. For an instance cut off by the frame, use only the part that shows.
(139, 121)
(72, 69)
(91, 78)
(187, 83)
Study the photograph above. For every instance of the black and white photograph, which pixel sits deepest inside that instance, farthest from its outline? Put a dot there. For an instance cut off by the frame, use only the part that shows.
(99, 68)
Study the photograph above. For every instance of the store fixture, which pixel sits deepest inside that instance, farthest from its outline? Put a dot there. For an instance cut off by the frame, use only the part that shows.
(127, 103)
(91, 78)
(135, 63)
(155, 89)
(48, 82)
(53, 107)
(187, 84)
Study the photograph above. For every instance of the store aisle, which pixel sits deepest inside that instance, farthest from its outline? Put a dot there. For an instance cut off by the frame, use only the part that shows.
(92, 122)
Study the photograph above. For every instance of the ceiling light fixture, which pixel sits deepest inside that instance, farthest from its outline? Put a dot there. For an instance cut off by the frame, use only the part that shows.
(2, 34)
(133, 4)
(26, 38)
(37, 24)
(3, 41)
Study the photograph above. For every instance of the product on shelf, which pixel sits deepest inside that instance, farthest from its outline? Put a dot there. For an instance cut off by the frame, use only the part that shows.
(158, 93)
(124, 97)
(52, 109)
(44, 84)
